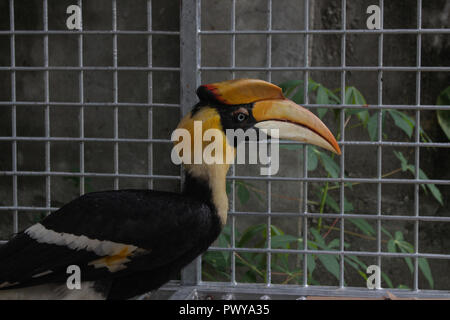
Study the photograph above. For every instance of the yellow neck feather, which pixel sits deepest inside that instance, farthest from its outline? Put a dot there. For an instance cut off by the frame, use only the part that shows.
(215, 174)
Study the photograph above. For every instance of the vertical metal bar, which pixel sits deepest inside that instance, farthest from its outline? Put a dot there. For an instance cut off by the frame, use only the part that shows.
(233, 166)
(189, 80)
(269, 183)
(342, 129)
(13, 116)
(305, 148)
(380, 130)
(81, 96)
(189, 54)
(116, 95)
(47, 110)
(150, 93)
(417, 148)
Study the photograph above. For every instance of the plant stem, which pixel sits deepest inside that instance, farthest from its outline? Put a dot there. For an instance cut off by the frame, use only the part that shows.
(248, 264)
(356, 183)
(322, 203)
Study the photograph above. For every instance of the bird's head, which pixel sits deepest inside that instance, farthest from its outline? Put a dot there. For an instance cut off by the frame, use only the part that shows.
(248, 104)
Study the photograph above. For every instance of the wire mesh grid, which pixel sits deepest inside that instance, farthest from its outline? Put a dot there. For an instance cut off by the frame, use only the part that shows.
(379, 143)
(192, 70)
(81, 104)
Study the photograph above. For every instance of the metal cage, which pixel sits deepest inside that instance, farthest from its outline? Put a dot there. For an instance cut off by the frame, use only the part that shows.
(191, 39)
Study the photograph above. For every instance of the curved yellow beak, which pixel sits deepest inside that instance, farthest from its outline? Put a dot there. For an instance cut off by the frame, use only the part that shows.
(293, 123)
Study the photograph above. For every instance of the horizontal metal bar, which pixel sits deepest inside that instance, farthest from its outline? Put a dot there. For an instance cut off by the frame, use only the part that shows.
(350, 180)
(184, 293)
(88, 68)
(283, 142)
(368, 216)
(134, 104)
(75, 139)
(88, 104)
(259, 178)
(89, 32)
(378, 107)
(86, 174)
(262, 69)
(296, 291)
(377, 143)
(27, 208)
(292, 291)
(330, 68)
(339, 32)
(337, 252)
(225, 32)
(396, 144)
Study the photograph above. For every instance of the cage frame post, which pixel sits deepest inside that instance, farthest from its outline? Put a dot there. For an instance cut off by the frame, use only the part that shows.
(189, 81)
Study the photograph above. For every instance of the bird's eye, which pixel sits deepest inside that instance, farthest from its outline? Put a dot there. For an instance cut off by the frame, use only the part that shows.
(240, 117)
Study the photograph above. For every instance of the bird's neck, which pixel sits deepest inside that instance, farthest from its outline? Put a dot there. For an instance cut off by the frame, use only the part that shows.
(208, 183)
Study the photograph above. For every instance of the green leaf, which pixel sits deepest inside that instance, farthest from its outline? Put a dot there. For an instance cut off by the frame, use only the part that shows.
(289, 85)
(359, 262)
(318, 237)
(243, 193)
(329, 201)
(425, 268)
(402, 286)
(391, 246)
(321, 112)
(322, 96)
(364, 116)
(274, 231)
(311, 262)
(348, 206)
(355, 266)
(436, 193)
(330, 263)
(363, 225)
(354, 96)
(433, 189)
(403, 161)
(444, 97)
(329, 165)
(228, 187)
(359, 98)
(407, 259)
(387, 279)
(250, 233)
(313, 160)
(299, 97)
(349, 96)
(443, 117)
(283, 241)
(398, 235)
(333, 243)
(334, 99)
(384, 230)
(312, 85)
(372, 127)
(403, 121)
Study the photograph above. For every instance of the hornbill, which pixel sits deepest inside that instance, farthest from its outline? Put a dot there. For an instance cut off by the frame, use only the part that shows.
(128, 242)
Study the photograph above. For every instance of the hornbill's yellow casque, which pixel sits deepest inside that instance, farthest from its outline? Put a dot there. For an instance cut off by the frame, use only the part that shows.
(128, 242)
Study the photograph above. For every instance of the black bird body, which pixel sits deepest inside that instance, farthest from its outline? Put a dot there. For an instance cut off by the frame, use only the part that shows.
(171, 229)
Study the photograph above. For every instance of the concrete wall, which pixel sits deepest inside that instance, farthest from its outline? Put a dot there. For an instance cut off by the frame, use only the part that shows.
(251, 50)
